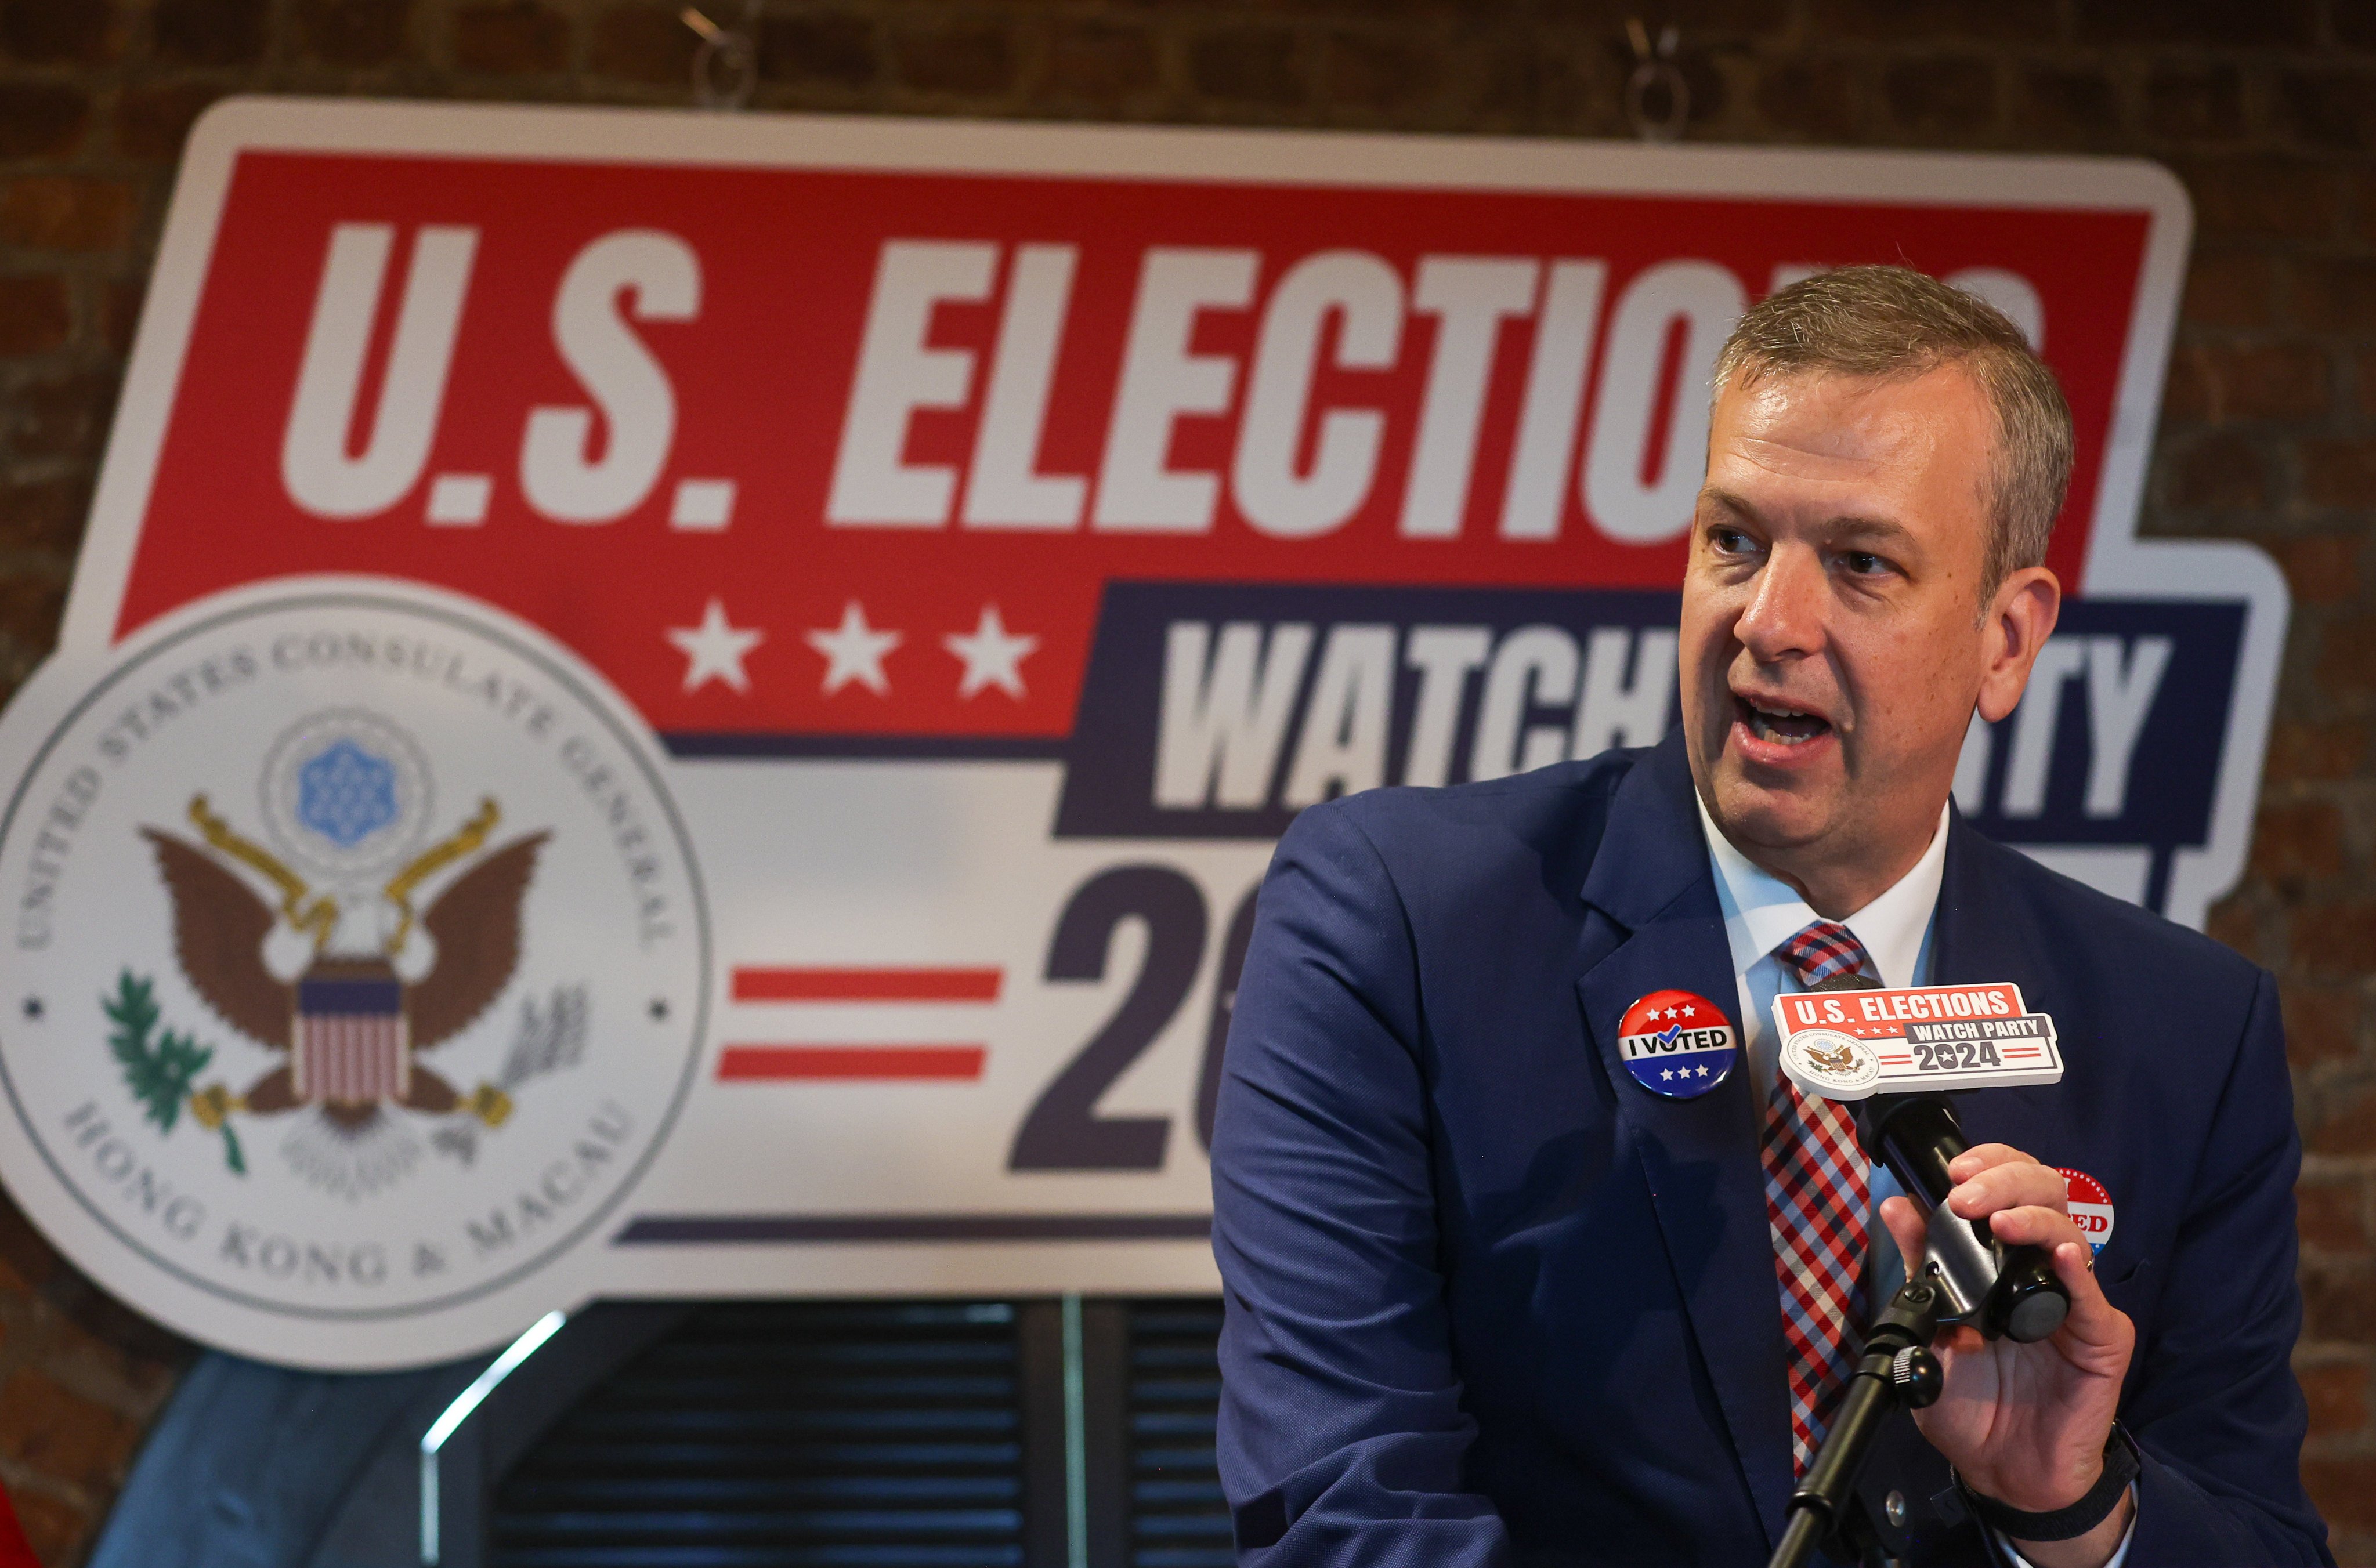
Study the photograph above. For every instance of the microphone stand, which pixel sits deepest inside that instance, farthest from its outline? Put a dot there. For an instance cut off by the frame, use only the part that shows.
(1896, 1368)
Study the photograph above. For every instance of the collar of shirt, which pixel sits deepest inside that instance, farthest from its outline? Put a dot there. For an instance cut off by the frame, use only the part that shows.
(1761, 911)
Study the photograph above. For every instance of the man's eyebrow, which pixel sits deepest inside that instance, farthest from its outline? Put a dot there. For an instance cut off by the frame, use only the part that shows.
(1879, 531)
(1848, 526)
(1725, 501)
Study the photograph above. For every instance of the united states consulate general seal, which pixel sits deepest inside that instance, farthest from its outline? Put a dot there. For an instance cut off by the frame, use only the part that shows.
(355, 968)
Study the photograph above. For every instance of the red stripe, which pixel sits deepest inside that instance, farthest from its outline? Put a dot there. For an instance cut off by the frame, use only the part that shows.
(351, 1058)
(865, 985)
(783, 1063)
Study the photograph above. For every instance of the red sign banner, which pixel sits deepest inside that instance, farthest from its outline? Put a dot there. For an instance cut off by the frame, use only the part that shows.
(603, 395)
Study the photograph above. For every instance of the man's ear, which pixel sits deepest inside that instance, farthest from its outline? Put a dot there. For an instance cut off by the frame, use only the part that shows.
(2019, 619)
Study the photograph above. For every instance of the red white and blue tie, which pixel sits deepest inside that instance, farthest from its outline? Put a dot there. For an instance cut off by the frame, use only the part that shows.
(1817, 1185)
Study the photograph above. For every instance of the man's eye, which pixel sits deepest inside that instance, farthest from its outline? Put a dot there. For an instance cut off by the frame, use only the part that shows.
(1862, 563)
(1731, 541)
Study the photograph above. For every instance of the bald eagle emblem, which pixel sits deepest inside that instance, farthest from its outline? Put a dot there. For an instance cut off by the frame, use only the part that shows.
(1839, 1061)
(349, 984)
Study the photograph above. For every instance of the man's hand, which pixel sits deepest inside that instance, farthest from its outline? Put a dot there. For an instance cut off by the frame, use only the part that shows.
(2027, 1424)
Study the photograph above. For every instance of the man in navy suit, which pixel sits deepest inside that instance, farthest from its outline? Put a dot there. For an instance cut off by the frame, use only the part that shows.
(1492, 1299)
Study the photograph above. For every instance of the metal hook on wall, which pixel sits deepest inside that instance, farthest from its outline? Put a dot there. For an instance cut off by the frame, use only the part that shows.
(1655, 77)
(726, 64)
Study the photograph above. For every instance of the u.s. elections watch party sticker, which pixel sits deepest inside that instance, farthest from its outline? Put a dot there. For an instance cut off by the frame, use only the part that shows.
(1851, 1044)
(2090, 1205)
(1676, 1044)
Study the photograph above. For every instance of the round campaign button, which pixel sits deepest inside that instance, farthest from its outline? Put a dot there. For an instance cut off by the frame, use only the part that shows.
(2090, 1206)
(1676, 1044)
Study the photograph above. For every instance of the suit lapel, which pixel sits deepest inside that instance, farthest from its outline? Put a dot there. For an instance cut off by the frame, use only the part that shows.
(1657, 925)
(1978, 938)
(1983, 934)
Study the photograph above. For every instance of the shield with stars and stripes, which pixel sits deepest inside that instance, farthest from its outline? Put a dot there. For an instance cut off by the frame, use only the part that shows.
(351, 1038)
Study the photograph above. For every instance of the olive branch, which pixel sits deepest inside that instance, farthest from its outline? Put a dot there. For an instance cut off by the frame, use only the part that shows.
(158, 1074)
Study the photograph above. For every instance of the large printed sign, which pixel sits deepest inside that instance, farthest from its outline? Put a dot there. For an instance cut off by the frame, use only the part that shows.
(661, 703)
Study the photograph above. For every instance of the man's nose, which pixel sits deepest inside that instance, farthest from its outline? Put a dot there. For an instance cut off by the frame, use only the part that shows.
(1784, 617)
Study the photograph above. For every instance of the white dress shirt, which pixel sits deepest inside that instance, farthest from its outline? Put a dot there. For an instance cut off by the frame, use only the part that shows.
(1761, 912)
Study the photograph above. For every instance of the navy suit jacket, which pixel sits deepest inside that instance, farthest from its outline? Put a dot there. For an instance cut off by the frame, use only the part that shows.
(1490, 1301)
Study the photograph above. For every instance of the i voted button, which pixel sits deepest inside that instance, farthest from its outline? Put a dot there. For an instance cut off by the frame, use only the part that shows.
(2090, 1205)
(1677, 1043)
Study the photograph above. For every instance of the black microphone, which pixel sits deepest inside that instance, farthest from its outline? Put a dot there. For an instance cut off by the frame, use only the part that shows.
(2006, 1292)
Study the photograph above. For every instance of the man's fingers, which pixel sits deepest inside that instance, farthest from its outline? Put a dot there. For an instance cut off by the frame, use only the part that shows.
(2010, 1184)
(2033, 1225)
(1908, 1229)
(1983, 1157)
(2094, 1321)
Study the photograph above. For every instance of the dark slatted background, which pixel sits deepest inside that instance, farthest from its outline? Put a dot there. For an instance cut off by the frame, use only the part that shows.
(856, 1435)
(1177, 1519)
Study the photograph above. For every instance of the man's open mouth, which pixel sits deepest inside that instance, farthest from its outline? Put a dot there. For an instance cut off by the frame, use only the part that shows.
(1784, 725)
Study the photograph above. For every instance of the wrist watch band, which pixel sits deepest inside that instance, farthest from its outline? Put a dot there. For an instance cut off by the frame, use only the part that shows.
(2121, 1467)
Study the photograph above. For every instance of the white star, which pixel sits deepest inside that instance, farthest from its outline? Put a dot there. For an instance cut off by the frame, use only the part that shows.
(714, 650)
(854, 651)
(992, 656)
(1687, 1012)
(1666, 1072)
(1703, 1072)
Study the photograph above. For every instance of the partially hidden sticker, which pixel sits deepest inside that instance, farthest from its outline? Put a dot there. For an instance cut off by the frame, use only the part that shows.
(1831, 1063)
(1677, 1043)
(1853, 1044)
(2090, 1206)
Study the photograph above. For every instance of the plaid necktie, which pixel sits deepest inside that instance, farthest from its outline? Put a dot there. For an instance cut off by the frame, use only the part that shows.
(1817, 1185)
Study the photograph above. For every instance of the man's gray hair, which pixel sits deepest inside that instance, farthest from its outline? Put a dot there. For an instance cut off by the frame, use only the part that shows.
(1893, 322)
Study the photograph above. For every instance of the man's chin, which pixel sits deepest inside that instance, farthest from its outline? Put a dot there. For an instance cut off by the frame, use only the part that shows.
(1760, 812)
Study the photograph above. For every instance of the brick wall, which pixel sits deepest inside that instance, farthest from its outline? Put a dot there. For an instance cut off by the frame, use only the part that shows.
(2265, 107)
